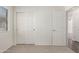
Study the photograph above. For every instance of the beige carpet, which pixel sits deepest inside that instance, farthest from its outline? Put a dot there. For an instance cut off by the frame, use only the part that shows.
(38, 49)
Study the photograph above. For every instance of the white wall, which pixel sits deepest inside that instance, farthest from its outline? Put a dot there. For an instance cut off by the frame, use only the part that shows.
(6, 38)
(68, 7)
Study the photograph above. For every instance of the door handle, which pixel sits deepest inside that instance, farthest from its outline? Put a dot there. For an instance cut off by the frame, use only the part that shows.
(34, 29)
(53, 30)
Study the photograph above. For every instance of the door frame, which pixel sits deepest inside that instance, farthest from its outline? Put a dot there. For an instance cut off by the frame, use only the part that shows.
(15, 26)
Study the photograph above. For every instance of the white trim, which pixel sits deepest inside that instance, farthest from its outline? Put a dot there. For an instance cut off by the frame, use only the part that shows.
(14, 31)
(39, 43)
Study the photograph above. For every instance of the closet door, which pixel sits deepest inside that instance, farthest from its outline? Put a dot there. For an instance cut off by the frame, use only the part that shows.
(34, 26)
(24, 28)
(42, 25)
(59, 26)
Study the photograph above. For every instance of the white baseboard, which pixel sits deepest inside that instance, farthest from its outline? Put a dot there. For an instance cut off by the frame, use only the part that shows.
(43, 44)
(49, 44)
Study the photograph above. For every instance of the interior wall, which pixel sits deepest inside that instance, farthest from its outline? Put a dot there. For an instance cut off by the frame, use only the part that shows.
(68, 7)
(6, 38)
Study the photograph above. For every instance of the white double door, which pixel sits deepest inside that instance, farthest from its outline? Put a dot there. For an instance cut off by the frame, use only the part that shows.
(41, 26)
(34, 28)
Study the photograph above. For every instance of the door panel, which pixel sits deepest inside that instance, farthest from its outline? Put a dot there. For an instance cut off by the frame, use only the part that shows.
(59, 26)
(24, 28)
(42, 22)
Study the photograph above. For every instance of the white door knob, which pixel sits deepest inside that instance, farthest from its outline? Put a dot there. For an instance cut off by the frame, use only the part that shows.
(33, 29)
(53, 30)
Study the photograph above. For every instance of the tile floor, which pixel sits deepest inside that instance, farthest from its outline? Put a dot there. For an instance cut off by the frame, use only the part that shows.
(38, 49)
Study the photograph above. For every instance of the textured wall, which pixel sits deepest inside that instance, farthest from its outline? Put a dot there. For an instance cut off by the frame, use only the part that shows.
(7, 37)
